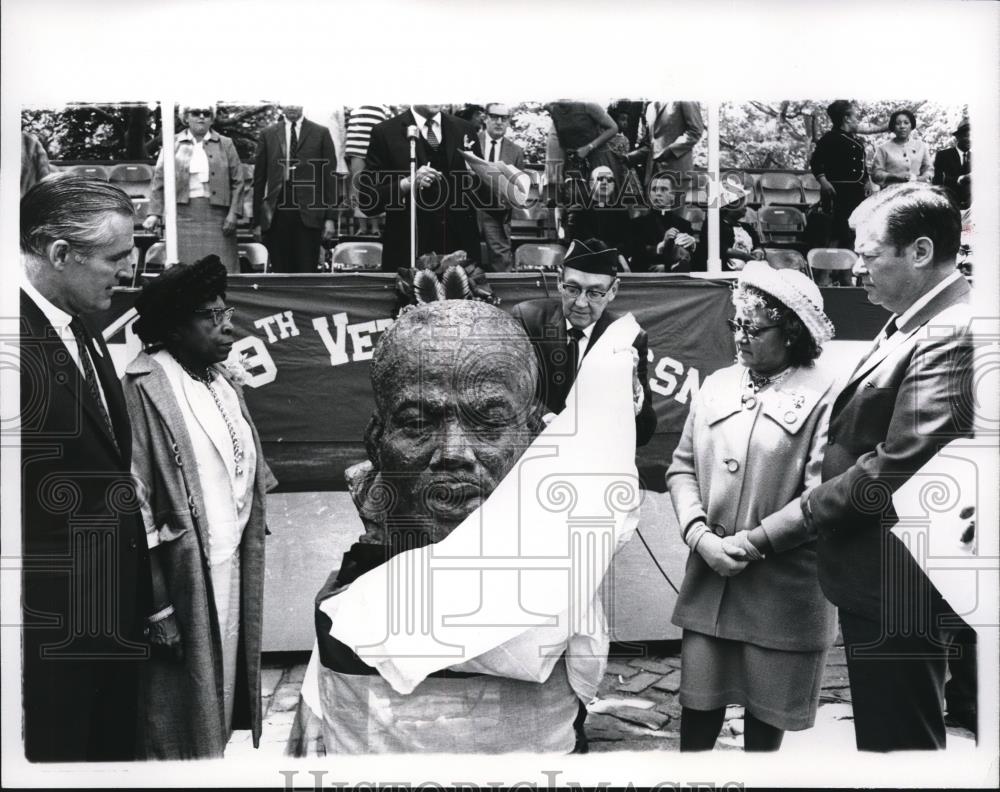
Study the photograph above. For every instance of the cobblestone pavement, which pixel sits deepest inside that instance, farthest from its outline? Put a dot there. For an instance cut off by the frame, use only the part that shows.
(636, 707)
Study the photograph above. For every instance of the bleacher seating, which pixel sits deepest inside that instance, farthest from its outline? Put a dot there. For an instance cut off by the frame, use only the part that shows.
(253, 257)
(748, 181)
(539, 256)
(810, 188)
(530, 221)
(781, 225)
(784, 258)
(141, 210)
(91, 171)
(831, 259)
(357, 256)
(155, 257)
(780, 188)
(133, 178)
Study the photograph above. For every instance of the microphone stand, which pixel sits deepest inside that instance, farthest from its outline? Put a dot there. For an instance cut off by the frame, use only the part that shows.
(412, 134)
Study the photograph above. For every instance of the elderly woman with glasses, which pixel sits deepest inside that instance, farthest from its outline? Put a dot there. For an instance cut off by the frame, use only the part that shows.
(756, 626)
(201, 479)
(209, 178)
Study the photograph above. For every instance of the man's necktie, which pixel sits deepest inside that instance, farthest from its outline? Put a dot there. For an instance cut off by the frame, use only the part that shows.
(965, 161)
(293, 146)
(574, 334)
(891, 328)
(493, 151)
(432, 139)
(89, 375)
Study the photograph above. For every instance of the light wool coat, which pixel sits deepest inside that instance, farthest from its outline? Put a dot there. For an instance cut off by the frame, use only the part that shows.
(739, 467)
(182, 714)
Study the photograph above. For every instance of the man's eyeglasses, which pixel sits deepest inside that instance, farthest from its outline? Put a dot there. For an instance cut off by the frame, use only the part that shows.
(752, 331)
(570, 290)
(219, 315)
(200, 112)
(497, 117)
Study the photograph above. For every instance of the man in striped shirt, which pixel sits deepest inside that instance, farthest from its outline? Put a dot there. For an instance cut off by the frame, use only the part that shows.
(359, 130)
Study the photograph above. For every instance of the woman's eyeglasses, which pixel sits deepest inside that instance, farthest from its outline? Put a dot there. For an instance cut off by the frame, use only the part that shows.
(752, 331)
(594, 295)
(219, 315)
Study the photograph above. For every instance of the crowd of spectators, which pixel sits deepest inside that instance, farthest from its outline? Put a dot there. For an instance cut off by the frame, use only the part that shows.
(622, 173)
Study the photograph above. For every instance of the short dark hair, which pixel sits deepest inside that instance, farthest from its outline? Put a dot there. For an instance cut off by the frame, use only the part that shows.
(897, 114)
(70, 207)
(838, 110)
(914, 210)
(802, 347)
(169, 301)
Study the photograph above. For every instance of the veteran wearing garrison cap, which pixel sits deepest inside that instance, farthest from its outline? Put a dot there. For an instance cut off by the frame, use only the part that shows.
(563, 330)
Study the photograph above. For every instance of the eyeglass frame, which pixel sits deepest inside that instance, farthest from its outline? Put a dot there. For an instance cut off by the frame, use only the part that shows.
(498, 117)
(201, 112)
(225, 313)
(752, 332)
(569, 288)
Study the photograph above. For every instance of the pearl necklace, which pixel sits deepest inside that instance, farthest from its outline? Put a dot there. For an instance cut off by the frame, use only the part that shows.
(206, 380)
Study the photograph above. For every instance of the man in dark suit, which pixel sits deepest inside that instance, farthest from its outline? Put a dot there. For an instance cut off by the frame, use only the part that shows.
(953, 167)
(294, 191)
(563, 330)
(445, 188)
(908, 397)
(494, 222)
(85, 563)
(661, 240)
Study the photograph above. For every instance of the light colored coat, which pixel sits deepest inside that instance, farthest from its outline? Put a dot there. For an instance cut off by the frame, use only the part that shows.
(181, 704)
(225, 173)
(739, 468)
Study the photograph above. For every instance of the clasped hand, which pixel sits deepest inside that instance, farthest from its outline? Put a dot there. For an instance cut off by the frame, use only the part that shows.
(729, 555)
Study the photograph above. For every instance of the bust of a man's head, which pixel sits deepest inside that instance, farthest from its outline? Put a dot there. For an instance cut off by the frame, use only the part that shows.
(455, 386)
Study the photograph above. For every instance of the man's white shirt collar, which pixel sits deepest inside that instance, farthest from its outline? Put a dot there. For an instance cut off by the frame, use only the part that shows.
(421, 121)
(912, 311)
(57, 317)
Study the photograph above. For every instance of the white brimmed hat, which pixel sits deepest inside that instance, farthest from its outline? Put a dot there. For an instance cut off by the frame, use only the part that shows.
(796, 291)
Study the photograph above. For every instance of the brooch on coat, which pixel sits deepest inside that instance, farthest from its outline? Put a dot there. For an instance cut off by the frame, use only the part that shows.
(468, 144)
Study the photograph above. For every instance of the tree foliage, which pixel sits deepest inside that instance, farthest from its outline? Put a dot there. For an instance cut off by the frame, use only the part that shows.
(763, 135)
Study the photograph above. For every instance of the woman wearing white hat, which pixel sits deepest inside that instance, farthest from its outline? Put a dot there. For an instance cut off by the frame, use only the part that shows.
(756, 624)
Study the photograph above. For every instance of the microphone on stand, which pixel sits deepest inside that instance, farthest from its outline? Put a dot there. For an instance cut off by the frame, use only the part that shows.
(413, 133)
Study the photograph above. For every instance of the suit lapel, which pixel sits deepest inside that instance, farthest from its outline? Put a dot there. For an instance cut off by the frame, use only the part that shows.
(66, 373)
(956, 292)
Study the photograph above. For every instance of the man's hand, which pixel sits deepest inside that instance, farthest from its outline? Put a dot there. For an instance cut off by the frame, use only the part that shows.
(151, 222)
(424, 177)
(329, 230)
(165, 639)
(710, 548)
(584, 151)
(758, 254)
(685, 241)
(670, 234)
(826, 189)
(229, 225)
(869, 188)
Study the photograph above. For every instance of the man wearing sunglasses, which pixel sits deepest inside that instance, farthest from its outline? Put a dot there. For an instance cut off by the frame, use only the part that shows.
(563, 330)
(494, 222)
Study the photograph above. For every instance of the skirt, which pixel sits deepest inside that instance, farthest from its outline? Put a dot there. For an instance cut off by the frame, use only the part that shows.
(226, 589)
(776, 686)
(199, 234)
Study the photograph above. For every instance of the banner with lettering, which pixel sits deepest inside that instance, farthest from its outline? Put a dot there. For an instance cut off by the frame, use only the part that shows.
(307, 342)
